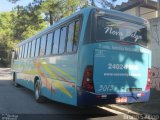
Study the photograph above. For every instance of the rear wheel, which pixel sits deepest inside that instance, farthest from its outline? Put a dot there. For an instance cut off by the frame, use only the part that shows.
(14, 80)
(37, 92)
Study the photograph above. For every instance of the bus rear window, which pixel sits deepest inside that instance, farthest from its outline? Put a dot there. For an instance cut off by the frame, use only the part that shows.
(117, 30)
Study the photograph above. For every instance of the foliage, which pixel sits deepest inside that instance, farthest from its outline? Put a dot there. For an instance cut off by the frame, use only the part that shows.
(103, 3)
(6, 36)
(17, 26)
(25, 21)
(53, 10)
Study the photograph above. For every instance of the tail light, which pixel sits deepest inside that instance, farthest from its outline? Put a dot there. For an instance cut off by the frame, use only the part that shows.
(149, 80)
(87, 83)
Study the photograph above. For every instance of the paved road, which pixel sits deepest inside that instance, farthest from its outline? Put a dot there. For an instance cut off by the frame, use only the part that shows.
(20, 101)
(150, 107)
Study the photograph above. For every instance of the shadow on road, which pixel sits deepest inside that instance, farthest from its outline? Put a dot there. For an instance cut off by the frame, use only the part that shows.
(20, 101)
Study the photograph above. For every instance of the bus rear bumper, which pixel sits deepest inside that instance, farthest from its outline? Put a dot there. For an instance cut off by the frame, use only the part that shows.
(85, 98)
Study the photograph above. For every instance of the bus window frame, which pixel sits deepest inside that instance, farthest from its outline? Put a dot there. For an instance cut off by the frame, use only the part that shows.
(58, 42)
(40, 45)
(38, 38)
(51, 32)
(34, 49)
(65, 23)
(65, 26)
(96, 15)
(29, 50)
(26, 50)
(22, 56)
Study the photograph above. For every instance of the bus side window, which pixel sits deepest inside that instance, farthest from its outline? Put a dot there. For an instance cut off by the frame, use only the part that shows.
(18, 53)
(62, 40)
(76, 36)
(43, 45)
(49, 43)
(70, 37)
(56, 42)
(29, 50)
(22, 51)
(14, 54)
(37, 47)
(33, 48)
(26, 47)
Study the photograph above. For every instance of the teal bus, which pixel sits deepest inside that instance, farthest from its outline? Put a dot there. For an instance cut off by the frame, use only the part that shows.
(93, 57)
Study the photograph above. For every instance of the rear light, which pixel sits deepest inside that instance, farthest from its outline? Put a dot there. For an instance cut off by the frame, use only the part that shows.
(140, 95)
(149, 80)
(87, 83)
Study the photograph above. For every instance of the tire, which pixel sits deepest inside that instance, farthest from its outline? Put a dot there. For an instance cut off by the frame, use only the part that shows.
(14, 80)
(37, 92)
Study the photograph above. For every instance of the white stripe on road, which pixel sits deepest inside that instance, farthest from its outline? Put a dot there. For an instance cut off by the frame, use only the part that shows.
(110, 110)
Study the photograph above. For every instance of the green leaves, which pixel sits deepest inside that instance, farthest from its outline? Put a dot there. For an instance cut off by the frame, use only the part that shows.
(25, 21)
(28, 19)
(16, 26)
(6, 36)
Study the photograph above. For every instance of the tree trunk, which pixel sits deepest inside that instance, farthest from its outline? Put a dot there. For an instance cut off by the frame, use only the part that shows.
(92, 3)
(50, 18)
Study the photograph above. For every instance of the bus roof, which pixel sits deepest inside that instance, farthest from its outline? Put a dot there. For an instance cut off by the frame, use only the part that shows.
(85, 11)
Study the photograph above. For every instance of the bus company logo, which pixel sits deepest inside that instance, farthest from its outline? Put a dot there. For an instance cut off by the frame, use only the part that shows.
(115, 32)
(99, 53)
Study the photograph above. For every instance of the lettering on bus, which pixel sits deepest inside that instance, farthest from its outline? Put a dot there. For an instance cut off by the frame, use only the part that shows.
(104, 88)
(111, 66)
(100, 53)
(123, 74)
(131, 34)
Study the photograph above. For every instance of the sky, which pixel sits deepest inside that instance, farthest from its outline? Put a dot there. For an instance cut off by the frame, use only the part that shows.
(7, 6)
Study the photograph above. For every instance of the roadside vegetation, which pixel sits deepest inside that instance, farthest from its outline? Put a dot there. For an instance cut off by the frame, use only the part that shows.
(24, 21)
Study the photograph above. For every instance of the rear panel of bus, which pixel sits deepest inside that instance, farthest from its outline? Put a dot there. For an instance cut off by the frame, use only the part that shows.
(114, 62)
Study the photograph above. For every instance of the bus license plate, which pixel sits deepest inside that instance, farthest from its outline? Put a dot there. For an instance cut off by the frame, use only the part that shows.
(121, 100)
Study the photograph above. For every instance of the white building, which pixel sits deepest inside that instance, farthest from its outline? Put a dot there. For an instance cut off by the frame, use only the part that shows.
(142, 8)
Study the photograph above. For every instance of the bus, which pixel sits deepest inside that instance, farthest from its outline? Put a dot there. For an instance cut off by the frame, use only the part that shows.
(93, 57)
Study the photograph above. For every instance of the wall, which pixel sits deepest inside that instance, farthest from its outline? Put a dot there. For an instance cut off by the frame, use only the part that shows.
(148, 13)
(155, 78)
(131, 11)
(142, 12)
(155, 47)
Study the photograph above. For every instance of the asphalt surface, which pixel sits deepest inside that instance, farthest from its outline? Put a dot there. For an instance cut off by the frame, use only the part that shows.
(150, 107)
(18, 103)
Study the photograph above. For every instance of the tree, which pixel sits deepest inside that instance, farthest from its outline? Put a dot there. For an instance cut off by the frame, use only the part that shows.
(103, 3)
(53, 10)
(6, 37)
(17, 25)
(28, 21)
(57, 9)
(72, 6)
